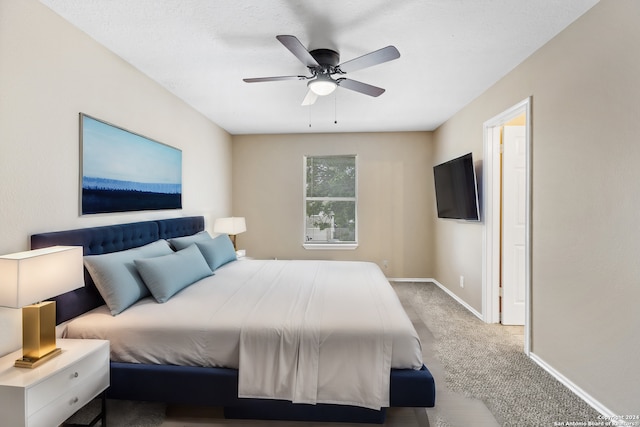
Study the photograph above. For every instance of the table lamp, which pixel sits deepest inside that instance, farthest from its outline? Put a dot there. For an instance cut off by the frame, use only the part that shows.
(231, 226)
(27, 279)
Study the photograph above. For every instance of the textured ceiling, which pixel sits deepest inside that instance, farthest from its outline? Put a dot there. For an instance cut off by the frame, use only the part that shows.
(451, 51)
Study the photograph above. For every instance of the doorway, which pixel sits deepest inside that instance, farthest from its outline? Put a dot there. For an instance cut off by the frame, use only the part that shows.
(507, 209)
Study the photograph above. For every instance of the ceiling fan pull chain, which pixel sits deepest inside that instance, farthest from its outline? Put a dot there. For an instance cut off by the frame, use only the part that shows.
(335, 108)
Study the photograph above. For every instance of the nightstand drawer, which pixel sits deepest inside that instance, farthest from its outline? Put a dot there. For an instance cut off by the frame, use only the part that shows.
(48, 394)
(80, 374)
(70, 402)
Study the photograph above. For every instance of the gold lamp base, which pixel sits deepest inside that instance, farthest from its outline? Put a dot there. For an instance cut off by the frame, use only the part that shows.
(38, 334)
(30, 363)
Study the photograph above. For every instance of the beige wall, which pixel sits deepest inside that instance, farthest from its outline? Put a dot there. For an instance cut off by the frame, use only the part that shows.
(395, 196)
(586, 199)
(585, 90)
(49, 72)
(459, 243)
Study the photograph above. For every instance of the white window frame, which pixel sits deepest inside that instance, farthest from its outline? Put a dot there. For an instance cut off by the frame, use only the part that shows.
(327, 246)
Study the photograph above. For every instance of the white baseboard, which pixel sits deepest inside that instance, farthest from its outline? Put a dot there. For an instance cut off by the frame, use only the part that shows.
(608, 415)
(409, 279)
(458, 299)
(447, 291)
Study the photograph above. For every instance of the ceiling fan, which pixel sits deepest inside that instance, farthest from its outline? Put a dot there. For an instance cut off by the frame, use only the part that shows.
(323, 64)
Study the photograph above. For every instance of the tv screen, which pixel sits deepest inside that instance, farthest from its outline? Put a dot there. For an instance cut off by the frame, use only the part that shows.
(456, 191)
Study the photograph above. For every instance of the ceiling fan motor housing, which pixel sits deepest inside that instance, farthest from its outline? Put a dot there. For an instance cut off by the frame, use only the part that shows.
(327, 58)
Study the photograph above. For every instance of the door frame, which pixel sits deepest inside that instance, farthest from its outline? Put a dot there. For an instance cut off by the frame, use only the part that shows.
(492, 207)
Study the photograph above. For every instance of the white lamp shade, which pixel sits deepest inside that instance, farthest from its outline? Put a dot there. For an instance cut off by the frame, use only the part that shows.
(32, 276)
(231, 225)
(322, 85)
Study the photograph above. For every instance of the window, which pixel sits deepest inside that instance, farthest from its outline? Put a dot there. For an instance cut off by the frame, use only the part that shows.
(330, 202)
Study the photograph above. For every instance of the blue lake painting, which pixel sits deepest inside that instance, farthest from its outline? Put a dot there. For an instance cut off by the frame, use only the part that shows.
(123, 171)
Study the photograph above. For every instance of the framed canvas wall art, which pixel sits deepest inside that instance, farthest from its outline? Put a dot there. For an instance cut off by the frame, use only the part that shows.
(122, 171)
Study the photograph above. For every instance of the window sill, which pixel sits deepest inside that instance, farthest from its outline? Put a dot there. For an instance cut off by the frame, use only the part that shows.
(330, 246)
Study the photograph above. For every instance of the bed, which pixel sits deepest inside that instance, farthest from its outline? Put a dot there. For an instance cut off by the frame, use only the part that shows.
(216, 374)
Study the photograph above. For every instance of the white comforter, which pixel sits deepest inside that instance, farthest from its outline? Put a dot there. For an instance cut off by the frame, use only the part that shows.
(303, 331)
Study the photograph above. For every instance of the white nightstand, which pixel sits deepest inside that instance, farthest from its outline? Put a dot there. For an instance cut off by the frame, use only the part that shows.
(49, 394)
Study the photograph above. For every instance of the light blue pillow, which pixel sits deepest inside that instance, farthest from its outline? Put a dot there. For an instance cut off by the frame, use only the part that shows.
(184, 242)
(217, 251)
(167, 275)
(116, 276)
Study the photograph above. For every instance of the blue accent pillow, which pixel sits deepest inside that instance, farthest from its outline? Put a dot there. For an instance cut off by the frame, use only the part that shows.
(217, 251)
(116, 276)
(184, 242)
(166, 275)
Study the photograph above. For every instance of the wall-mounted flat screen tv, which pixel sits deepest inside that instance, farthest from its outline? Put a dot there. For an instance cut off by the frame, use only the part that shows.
(456, 189)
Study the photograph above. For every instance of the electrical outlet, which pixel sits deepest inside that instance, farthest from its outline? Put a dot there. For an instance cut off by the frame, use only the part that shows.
(385, 263)
(462, 281)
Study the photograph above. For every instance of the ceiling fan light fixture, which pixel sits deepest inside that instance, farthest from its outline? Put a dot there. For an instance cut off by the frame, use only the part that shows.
(322, 85)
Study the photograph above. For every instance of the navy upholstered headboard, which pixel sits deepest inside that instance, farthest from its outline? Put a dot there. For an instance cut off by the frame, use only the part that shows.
(106, 239)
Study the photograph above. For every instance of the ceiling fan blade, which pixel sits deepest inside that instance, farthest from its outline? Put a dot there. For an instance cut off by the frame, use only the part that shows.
(310, 98)
(273, 79)
(360, 87)
(379, 56)
(298, 49)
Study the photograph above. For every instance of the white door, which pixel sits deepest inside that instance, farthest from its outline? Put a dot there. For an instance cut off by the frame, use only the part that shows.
(513, 225)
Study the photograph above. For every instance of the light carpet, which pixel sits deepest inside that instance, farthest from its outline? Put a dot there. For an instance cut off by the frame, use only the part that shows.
(487, 362)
